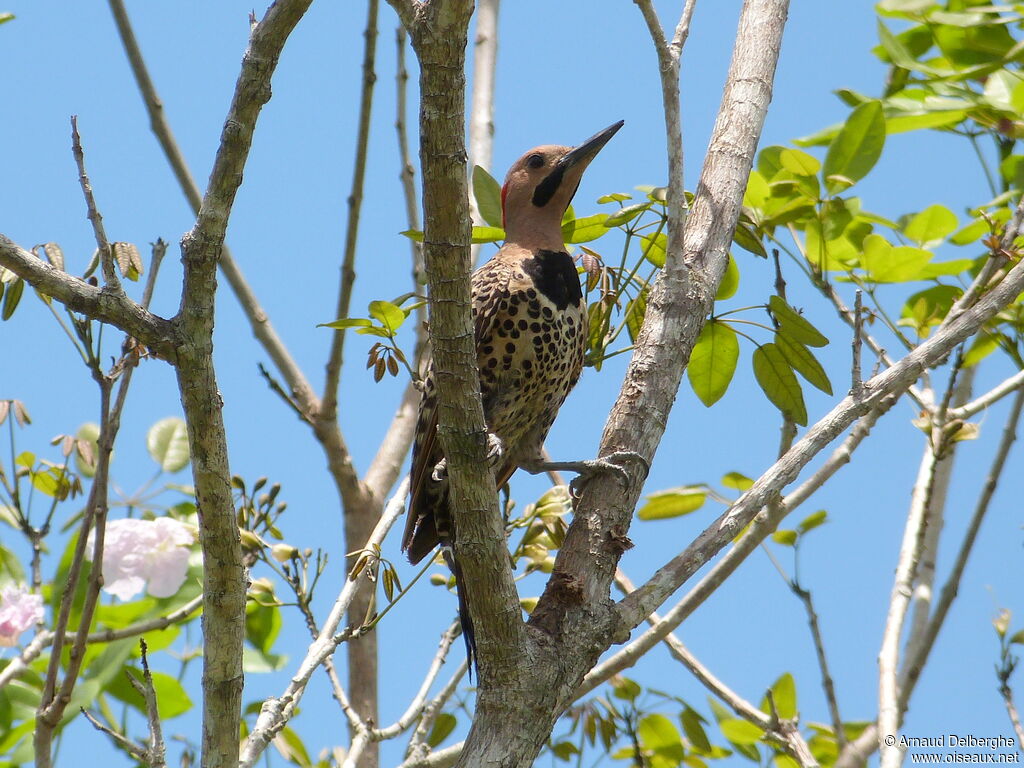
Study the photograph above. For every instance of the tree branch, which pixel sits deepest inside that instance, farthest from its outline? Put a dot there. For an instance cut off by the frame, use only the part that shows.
(101, 304)
(892, 381)
(275, 713)
(864, 745)
(223, 578)
(260, 323)
(764, 524)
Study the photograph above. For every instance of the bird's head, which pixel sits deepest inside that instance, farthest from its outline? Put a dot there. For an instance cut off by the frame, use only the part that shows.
(539, 187)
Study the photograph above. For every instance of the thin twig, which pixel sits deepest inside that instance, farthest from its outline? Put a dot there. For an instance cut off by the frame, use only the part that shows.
(827, 683)
(1011, 710)
(156, 755)
(763, 526)
(259, 321)
(275, 713)
(776, 730)
(329, 400)
(866, 743)
(997, 393)
(857, 386)
(106, 255)
(135, 750)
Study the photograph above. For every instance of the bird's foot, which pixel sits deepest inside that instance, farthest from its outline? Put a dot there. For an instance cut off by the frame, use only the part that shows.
(589, 469)
(495, 450)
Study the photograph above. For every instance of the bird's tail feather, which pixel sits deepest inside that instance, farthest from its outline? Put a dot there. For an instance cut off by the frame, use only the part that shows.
(464, 618)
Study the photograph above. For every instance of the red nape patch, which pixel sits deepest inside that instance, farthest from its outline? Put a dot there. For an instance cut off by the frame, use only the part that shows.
(504, 191)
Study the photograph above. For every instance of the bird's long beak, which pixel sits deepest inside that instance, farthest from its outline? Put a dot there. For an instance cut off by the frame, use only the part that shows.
(586, 151)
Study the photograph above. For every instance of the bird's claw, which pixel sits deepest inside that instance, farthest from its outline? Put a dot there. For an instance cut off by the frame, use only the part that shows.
(495, 450)
(588, 470)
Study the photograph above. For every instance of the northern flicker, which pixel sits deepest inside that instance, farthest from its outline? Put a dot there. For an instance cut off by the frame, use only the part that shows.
(530, 322)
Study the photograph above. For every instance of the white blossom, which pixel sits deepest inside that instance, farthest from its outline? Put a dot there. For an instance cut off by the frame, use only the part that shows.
(19, 610)
(137, 552)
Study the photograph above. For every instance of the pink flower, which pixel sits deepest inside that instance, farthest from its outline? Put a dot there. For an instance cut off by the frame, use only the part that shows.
(19, 610)
(139, 551)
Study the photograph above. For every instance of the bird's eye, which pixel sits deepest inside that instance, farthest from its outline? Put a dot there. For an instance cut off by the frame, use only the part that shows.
(535, 161)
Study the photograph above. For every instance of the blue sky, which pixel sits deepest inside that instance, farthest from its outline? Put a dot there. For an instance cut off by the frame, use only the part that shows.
(566, 70)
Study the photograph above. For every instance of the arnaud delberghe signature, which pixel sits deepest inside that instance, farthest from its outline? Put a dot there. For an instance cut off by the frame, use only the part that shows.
(955, 740)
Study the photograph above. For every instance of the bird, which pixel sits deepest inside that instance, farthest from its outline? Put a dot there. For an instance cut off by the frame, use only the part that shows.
(530, 328)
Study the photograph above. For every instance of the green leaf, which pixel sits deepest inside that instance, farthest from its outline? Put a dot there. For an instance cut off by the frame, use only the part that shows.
(673, 502)
(736, 481)
(984, 344)
(795, 325)
(257, 662)
(654, 246)
(171, 697)
(11, 298)
(693, 727)
(5, 17)
(635, 311)
(290, 746)
(713, 361)
(799, 162)
(487, 192)
(970, 233)
(614, 197)
(777, 380)
(929, 307)
(740, 731)
(586, 229)
(624, 688)
(803, 362)
(387, 314)
(626, 214)
(746, 237)
(730, 280)
(416, 235)
(658, 733)
(347, 322)
(784, 537)
(929, 227)
(443, 726)
(262, 625)
(487, 235)
(784, 694)
(167, 443)
(813, 520)
(858, 145)
(564, 750)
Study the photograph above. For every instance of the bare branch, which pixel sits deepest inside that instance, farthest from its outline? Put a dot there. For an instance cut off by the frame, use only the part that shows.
(906, 568)
(890, 382)
(864, 745)
(98, 303)
(223, 577)
(419, 701)
(994, 395)
(1011, 710)
(156, 755)
(417, 748)
(779, 731)
(276, 712)
(764, 524)
(106, 256)
(329, 401)
(262, 328)
(135, 750)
